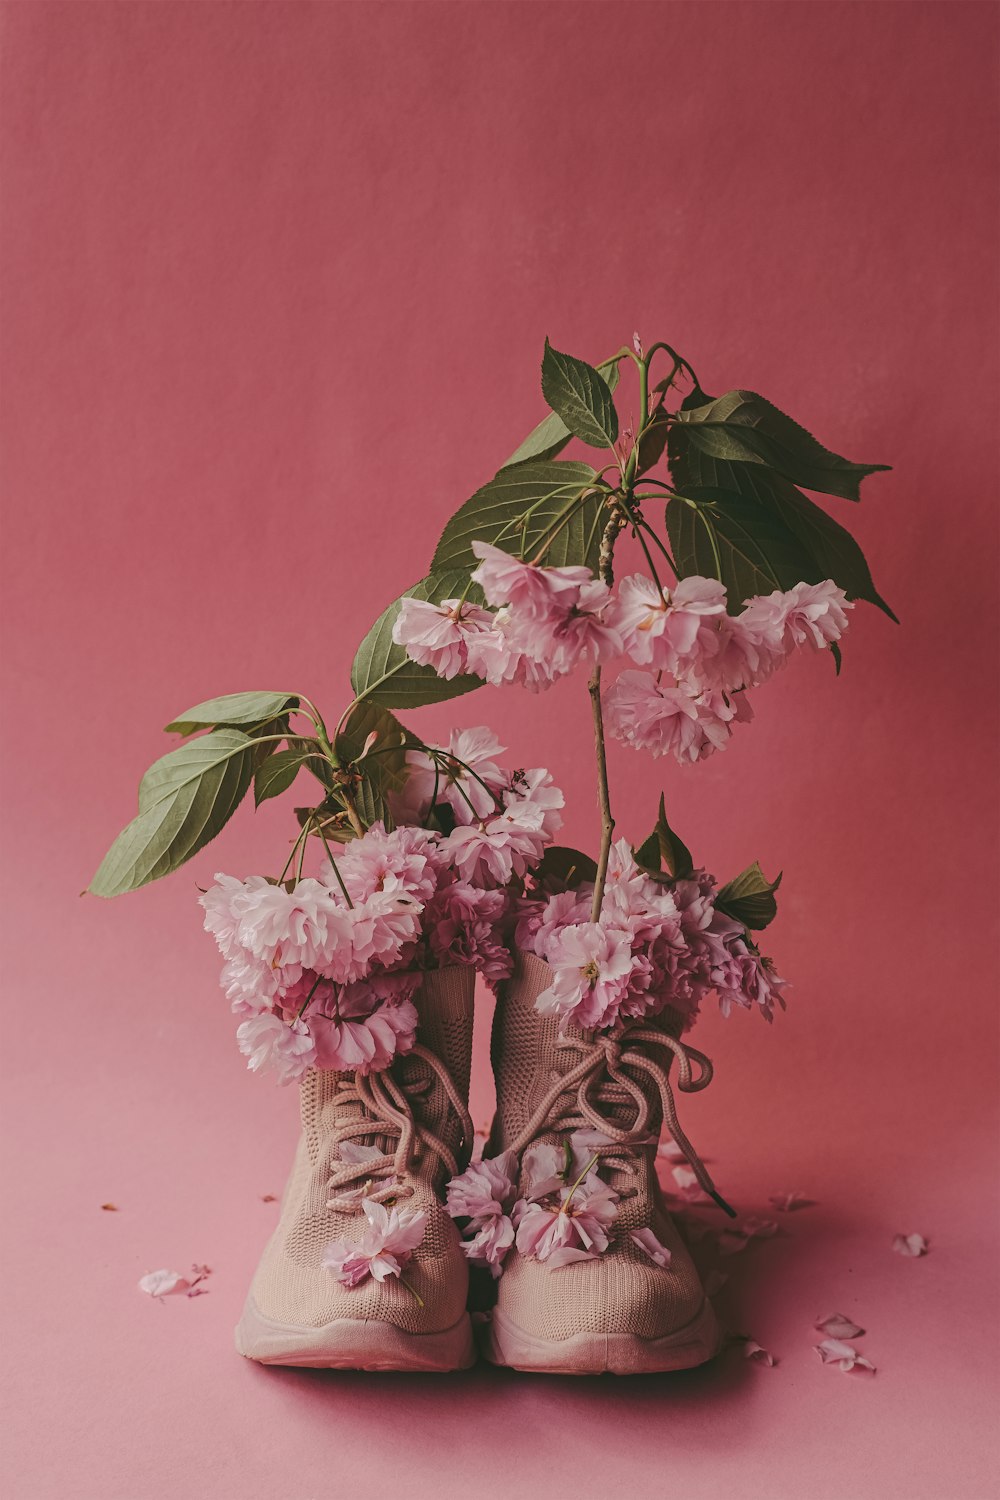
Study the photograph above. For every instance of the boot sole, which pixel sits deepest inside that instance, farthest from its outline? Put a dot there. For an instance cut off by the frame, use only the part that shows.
(604, 1353)
(354, 1344)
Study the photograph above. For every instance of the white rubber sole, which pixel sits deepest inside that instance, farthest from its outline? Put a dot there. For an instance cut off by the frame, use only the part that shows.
(604, 1353)
(354, 1344)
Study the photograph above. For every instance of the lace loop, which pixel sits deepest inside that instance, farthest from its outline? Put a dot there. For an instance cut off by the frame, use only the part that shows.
(387, 1104)
(604, 1075)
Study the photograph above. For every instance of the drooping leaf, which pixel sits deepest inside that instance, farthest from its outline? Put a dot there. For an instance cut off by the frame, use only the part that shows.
(731, 537)
(520, 508)
(743, 427)
(375, 739)
(831, 550)
(567, 866)
(383, 673)
(664, 850)
(750, 898)
(580, 396)
(276, 774)
(551, 435)
(652, 442)
(674, 853)
(185, 798)
(238, 709)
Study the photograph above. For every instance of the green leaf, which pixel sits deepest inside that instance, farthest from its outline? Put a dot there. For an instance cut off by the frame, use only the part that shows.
(382, 671)
(664, 850)
(551, 435)
(753, 552)
(568, 866)
(276, 774)
(233, 708)
(744, 428)
(327, 821)
(750, 898)
(519, 508)
(580, 396)
(824, 548)
(652, 442)
(383, 770)
(185, 798)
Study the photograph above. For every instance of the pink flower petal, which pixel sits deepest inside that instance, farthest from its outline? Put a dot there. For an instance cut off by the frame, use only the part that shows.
(759, 1355)
(845, 1356)
(786, 1203)
(836, 1326)
(164, 1284)
(647, 1241)
(912, 1245)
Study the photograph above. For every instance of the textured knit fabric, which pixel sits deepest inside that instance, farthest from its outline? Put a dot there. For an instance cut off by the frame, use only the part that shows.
(621, 1291)
(291, 1287)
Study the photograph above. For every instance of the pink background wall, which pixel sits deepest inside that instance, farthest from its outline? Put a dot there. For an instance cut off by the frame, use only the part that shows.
(275, 284)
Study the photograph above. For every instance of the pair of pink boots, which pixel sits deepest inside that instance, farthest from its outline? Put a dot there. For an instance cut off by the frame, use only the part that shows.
(395, 1139)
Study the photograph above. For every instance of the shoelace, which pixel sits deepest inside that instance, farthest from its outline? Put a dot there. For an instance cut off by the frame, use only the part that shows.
(387, 1103)
(600, 1077)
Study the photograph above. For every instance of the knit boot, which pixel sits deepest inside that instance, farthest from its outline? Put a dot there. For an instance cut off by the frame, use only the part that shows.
(621, 1311)
(393, 1139)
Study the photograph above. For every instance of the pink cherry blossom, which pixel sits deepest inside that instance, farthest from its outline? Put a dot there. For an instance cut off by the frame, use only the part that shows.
(527, 587)
(647, 1241)
(488, 1243)
(484, 1194)
(384, 1248)
(845, 1356)
(438, 635)
(270, 1043)
(591, 965)
(662, 630)
(811, 614)
(667, 719)
(363, 1026)
(405, 861)
(570, 1228)
(485, 1189)
(465, 776)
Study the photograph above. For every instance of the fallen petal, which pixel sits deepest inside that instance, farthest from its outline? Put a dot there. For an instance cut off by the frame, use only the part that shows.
(758, 1354)
(164, 1283)
(838, 1327)
(758, 1229)
(844, 1356)
(912, 1245)
(646, 1240)
(786, 1203)
(684, 1178)
(268, 1198)
(110, 1208)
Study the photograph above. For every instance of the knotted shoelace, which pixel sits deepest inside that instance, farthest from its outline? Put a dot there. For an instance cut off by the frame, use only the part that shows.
(388, 1111)
(604, 1075)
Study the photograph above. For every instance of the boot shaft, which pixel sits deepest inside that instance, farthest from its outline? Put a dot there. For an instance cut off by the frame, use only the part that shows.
(444, 1004)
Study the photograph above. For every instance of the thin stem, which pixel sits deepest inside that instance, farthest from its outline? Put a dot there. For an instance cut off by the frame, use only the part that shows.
(334, 866)
(603, 796)
(566, 1201)
(303, 833)
(319, 981)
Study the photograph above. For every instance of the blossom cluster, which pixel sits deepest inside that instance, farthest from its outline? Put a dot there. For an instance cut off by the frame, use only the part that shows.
(697, 660)
(323, 971)
(659, 943)
(564, 1212)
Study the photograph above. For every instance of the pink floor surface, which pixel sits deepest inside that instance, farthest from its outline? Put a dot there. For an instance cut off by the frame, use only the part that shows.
(275, 283)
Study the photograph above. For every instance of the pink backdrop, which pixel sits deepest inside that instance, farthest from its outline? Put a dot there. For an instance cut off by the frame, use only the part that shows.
(276, 280)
